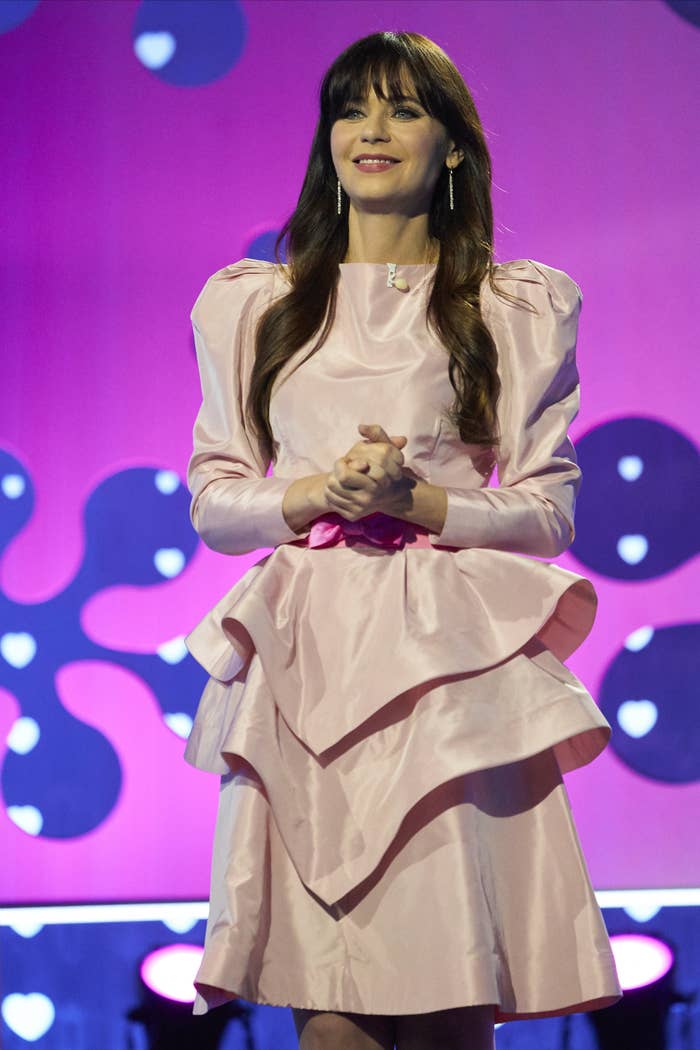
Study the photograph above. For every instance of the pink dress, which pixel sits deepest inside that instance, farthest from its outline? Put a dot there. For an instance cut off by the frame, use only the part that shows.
(391, 725)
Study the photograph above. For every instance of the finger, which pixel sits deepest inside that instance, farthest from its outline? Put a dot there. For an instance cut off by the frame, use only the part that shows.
(380, 463)
(368, 465)
(373, 431)
(341, 503)
(394, 470)
(362, 465)
(351, 481)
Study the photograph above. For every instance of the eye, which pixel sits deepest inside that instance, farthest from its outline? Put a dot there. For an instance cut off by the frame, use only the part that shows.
(399, 109)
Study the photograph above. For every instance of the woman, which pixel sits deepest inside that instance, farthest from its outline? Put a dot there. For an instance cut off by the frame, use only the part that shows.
(395, 856)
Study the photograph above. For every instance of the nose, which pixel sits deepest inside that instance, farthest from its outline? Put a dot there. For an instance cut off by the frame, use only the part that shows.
(374, 127)
(370, 135)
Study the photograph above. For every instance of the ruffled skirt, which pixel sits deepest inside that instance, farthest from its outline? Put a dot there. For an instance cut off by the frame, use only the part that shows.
(410, 850)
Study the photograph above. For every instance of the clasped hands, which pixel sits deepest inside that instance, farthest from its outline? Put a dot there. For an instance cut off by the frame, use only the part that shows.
(370, 477)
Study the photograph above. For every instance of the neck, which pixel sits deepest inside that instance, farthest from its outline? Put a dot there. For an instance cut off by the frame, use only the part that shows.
(375, 237)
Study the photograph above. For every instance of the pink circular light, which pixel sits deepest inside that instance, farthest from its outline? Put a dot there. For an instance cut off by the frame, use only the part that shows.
(640, 960)
(170, 971)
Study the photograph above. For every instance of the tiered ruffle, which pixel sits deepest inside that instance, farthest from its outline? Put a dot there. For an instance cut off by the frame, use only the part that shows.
(350, 689)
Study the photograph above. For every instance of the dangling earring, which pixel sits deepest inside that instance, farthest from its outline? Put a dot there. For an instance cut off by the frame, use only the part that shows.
(339, 195)
(452, 193)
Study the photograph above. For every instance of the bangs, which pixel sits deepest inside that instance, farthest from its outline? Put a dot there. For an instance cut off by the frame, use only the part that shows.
(354, 82)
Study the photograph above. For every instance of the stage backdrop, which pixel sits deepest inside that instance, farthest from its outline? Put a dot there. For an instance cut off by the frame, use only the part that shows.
(147, 144)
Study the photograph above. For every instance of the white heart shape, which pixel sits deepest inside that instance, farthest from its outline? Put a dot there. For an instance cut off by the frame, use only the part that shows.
(28, 1016)
(23, 736)
(155, 49)
(632, 549)
(26, 926)
(174, 651)
(637, 640)
(18, 648)
(642, 910)
(28, 818)
(637, 717)
(169, 561)
(179, 722)
(179, 919)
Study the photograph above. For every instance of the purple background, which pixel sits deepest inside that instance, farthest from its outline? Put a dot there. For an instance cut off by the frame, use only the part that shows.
(122, 193)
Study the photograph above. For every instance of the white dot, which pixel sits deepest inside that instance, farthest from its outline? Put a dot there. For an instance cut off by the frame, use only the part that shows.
(169, 561)
(179, 722)
(18, 648)
(167, 482)
(23, 736)
(13, 485)
(174, 651)
(632, 549)
(630, 467)
(28, 818)
(639, 639)
(155, 49)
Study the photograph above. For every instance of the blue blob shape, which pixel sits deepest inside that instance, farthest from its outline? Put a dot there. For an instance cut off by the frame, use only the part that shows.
(73, 774)
(664, 673)
(689, 10)
(189, 42)
(128, 519)
(15, 510)
(641, 528)
(263, 247)
(14, 12)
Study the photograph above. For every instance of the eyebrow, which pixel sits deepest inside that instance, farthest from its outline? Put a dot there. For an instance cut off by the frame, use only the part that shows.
(393, 98)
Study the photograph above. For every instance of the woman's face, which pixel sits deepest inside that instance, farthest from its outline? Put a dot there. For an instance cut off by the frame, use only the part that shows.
(401, 129)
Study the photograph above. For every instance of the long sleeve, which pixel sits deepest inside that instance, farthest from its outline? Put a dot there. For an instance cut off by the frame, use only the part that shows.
(532, 510)
(235, 508)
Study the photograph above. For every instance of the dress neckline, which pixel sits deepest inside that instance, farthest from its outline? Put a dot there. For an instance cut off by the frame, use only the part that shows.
(384, 265)
(365, 279)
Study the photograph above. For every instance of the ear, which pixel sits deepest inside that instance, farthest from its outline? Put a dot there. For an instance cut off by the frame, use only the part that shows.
(455, 153)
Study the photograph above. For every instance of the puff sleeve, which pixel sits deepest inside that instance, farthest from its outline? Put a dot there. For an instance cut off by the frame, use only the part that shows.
(532, 510)
(235, 508)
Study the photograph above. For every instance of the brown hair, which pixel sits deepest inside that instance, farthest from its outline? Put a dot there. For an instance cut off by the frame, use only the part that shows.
(317, 237)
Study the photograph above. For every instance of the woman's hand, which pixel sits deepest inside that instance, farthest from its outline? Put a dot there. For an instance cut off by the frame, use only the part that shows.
(368, 477)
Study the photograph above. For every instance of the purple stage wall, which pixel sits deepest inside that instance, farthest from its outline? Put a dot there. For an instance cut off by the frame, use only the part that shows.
(145, 146)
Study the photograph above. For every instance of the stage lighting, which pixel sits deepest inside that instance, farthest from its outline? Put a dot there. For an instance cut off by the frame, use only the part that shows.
(169, 972)
(167, 995)
(645, 967)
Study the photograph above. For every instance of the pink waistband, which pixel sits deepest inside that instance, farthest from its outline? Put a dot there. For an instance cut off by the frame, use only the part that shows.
(376, 530)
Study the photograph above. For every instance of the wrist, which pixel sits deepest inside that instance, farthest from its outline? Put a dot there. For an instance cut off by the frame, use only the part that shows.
(318, 504)
(304, 500)
(419, 502)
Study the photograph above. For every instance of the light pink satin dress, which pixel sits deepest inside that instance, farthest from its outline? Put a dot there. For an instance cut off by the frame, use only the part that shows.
(391, 726)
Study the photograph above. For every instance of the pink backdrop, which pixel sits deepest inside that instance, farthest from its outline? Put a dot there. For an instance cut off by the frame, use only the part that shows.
(124, 190)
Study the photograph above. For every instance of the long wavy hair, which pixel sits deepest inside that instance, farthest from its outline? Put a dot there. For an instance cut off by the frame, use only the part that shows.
(317, 237)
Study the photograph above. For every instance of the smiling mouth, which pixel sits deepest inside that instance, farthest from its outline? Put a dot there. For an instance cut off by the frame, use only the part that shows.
(375, 165)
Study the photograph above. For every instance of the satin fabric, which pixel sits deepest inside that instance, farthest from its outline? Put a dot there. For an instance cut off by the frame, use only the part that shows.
(377, 530)
(351, 682)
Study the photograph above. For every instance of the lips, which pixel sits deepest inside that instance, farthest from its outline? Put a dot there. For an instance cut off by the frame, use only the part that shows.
(375, 156)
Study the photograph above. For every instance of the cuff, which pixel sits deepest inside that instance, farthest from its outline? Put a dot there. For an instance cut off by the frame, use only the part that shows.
(500, 518)
(253, 522)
